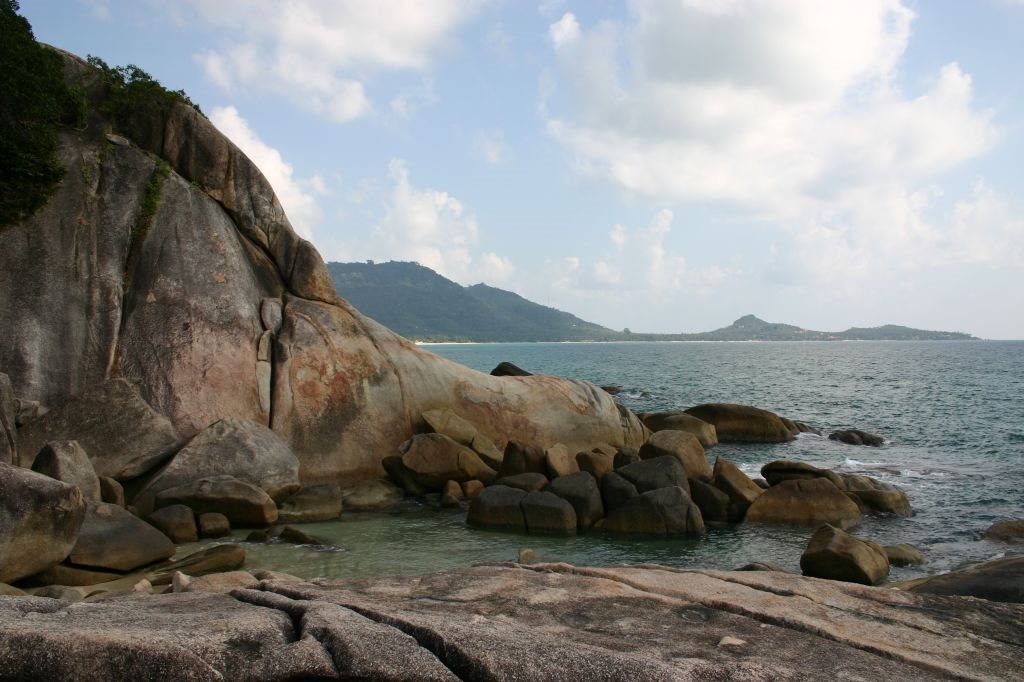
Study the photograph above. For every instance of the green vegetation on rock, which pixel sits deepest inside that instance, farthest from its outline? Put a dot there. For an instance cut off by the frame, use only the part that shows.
(34, 103)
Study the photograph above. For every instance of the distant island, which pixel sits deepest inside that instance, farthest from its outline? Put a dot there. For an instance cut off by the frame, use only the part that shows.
(420, 304)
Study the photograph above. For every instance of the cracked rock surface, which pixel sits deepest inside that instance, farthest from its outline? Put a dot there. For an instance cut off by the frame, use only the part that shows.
(513, 622)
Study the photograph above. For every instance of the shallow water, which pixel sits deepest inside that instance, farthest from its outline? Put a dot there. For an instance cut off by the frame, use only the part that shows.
(952, 414)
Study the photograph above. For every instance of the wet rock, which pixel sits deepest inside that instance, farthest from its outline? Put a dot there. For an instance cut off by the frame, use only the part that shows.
(498, 508)
(245, 505)
(581, 491)
(1001, 580)
(877, 496)
(116, 539)
(681, 421)
(122, 434)
(652, 474)
(526, 482)
(903, 555)
(597, 464)
(523, 458)
(836, 555)
(547, 514)
(665, 511)
(559, 461)
(435, 458)
(1006, 531)
(742, 423)
(213, 525)
(682, 445)
(737, 485)
(66, 461)
(177, 522)
(507, 369)
(804, 502)
(111, 491)
(616, 491)
(323, 502)
(712, 502)
(788, 470)
(451, 494)
(40, 518)
(857, 437)
(297, 536)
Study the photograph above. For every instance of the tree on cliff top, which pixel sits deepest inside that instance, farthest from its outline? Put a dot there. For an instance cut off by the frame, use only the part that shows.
(34, 101)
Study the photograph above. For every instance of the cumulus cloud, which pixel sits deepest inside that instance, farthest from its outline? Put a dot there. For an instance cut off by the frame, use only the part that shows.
(298, 201)
(788, 110)
(321, 52)
(491, 147)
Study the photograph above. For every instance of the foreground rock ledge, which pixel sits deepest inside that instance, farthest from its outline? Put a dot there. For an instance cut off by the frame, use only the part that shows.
(542, 622)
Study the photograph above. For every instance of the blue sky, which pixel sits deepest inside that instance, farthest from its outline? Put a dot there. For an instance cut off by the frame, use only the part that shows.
(662, 166)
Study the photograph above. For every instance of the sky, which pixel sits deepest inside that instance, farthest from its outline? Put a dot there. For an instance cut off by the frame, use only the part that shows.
(663, 166)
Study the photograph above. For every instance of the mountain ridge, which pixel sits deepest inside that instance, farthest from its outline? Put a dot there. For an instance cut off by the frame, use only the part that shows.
(423, 305)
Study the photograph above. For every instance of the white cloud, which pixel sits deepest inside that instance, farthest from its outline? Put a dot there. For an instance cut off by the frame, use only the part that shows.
(320, 53)
(491, 147)
(299, 204)
(788, 110)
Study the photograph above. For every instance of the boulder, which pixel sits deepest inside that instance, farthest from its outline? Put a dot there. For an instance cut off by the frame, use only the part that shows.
(788, 470)
(297, 536)
(488, 451)
(857, 437)
(712, 502)
(582, 492)
(507, 369)
(116, 539)
(448, 423)
(1006, 531)
(903, 555)
(999, 580)
(73, 576)
(626, 456)
(681, 421)
(213, 525)
(123, 435)
(370, 496)
(742, 423)
(215, 583)
(435, 458)
(523, 458)
(597, 464)
(177, 522)
(807, 502)
(616, 491)
(40, 518)
(271, 313)
(548, 514)
(245, 505)
(10, 591)
(402, 475)
(451, 494)
(525, 482)
(315, 503)
(498, 508)
(8, 422)
(665, 511)
(559, 462)
(737, 485)
(472, 488)
(238, 448)
(216, 559)
(682, 445)
(65, 460)
(111, 491)
(834, 554)
(651, 474)
(876, 496)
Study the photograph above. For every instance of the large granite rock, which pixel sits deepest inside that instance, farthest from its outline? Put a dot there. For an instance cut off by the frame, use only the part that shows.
(836, 555)
(39, 521)
(177, 522)
(743, 423)
(559, 461)
(1000, 580)
(681, 421)
(616, 491)
(548, 514)
(498, 507)
(665, 511)
(371, 495)
(233, 447)
(450, 424)
(808, 502)
(581, 491)
(523, 458)
(857, 437)
(651, 474)
(435, 458)
(122, 434)
(325, 502)
(1011, 530)
(789, 470)
(876, 496)
(245, 505)
(8, 422)
(712, 502)
(742, 491)
(682, 445)
(66, 461)
(115, 539)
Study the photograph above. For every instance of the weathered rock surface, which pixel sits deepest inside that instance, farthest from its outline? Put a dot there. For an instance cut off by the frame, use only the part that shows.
(40, 518)
(651, 474)
(597, 464)
(581, 491)
(435, 458)
(548, 514)
(857, 437)
(682, 445)
(665, 511)
(836, 555)
(1000, 580)
(66, 461)
(527, 482)
(523, 458)
(325, 502)
(681, 421)
(742, 491)
(559, 461)
(177, 522)
(712, 502)
(448, 423)
(743, 423)
(122, 434)
(8, 422)
(1006, 531)
(115, 539)
(245, 505)
(111, 491)
(637, 623)
(804, 503)
(616, 491)
(877, 496)
(213, 525)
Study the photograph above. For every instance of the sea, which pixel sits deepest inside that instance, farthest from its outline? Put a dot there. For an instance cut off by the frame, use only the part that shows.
(951, 413)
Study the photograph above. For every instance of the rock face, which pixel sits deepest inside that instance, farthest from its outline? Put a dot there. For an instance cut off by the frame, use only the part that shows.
(581, 491)
(66, 461)
(39, 521)
(435, 458)
(8, 422)
(624, 623)
(244, 504)
(115, 539)
(666, 511)
(319, 503)
(177, 522)
(742, 423)
(123, 435)
(788, 470)
(1000, 580)
(803, 503)
(742, 491)
(837, 555)
(682, 445)
(498, 508)
(681, 421)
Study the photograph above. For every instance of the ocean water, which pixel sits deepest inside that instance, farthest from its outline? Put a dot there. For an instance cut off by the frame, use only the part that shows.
(952, 414)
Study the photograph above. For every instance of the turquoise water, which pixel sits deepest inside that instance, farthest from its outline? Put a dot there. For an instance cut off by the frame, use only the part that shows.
(952, 414)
